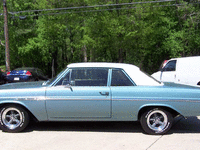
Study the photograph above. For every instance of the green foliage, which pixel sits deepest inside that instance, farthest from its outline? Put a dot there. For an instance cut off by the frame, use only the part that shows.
(145, 35)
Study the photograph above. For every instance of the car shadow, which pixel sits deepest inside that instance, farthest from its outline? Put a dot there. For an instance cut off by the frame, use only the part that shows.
(188, 125)
(180, 125)
(85, 126)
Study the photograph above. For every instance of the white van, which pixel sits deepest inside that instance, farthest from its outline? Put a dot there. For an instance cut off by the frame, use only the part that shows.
(185, 70)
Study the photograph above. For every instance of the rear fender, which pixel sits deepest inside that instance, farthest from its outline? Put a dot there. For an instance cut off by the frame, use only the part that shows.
(169, 108)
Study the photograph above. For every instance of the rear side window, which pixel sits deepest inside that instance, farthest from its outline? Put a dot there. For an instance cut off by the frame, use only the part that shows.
(170, 66)
(119, 78)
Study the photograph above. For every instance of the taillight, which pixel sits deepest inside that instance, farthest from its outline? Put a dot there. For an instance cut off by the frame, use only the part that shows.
(28, 73)
(164, 63)
(8, 73)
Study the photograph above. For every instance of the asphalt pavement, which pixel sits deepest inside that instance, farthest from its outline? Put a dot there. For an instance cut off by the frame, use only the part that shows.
(184, 135)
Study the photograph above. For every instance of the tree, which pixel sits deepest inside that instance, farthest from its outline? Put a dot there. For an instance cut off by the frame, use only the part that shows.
(140, 34)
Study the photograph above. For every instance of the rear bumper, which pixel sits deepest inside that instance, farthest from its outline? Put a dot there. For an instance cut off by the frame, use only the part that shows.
(19, 78)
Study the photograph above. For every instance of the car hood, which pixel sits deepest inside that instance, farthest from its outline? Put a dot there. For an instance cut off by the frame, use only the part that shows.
(156, 75)
(22, 85)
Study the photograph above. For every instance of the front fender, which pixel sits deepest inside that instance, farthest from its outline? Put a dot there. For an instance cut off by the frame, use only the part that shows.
(36, 108)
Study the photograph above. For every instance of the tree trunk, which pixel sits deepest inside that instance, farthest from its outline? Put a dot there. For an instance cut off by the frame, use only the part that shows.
(84, 49)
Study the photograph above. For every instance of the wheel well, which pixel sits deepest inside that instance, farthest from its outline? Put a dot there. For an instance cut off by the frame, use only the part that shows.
(32, 117)
(144, 109)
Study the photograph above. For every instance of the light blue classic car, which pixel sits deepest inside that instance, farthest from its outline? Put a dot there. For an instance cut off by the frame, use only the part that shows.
(98, 92)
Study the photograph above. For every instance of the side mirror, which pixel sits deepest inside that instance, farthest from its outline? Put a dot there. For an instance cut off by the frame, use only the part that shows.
(69, 86)
(65, 82)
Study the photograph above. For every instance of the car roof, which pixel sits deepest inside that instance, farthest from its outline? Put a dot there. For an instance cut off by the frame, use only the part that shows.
(103, 65)
(188, 58)
(134, 72)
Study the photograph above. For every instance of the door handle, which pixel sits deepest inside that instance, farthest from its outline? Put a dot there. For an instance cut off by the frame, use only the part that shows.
(104, 93)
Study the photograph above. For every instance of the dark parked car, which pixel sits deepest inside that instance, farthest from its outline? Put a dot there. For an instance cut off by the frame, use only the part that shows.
(25, 75)
(2, 77)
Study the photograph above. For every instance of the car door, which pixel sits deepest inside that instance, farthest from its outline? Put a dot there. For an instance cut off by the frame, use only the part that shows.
(168, 73)
(123, 91)
(82, 93)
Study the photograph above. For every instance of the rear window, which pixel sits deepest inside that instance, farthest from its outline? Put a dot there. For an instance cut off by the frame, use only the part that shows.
(29, 69)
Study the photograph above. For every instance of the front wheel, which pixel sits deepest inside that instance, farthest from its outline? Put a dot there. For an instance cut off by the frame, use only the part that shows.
(156, 121)
(13, 118)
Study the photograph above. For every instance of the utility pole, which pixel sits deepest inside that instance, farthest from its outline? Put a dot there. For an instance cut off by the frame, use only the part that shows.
(7, 51)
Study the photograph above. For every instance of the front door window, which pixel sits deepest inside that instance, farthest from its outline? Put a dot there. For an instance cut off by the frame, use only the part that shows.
(81, 93)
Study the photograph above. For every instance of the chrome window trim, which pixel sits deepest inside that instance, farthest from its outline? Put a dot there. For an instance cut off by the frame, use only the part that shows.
(53, 84)
(70, 69)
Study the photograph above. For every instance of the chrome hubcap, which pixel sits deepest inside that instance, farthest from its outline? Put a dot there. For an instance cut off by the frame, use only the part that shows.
(157, 120)
(12, 118)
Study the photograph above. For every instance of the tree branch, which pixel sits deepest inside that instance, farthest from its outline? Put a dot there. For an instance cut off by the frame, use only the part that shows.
(2, 43)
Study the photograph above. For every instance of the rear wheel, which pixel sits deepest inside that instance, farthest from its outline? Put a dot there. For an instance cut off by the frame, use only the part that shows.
(13, 118)
(156, 121)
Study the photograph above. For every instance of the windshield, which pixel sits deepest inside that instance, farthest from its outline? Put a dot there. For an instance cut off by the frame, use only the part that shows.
(48, 82)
